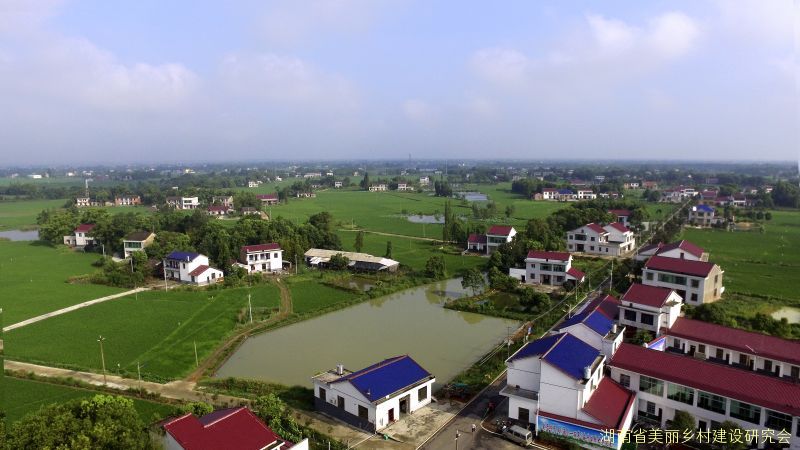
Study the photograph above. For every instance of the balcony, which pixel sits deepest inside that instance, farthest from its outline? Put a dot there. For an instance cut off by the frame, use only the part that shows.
(511, 391)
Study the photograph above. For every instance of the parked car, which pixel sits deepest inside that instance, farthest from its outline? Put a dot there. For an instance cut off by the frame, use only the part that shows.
(516, 433)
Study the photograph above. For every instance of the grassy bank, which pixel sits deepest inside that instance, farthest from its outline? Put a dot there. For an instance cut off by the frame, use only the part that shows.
(21, 214)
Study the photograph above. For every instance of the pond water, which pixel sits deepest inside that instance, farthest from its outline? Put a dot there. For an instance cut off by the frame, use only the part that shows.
(425, 218)
(789, 313)
(474, 196)
(411, 322)
(19, 235)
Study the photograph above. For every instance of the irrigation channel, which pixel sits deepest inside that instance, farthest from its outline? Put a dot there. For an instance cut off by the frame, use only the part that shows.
(411, 322)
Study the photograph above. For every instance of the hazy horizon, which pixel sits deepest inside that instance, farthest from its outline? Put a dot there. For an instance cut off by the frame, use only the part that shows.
(88, 82)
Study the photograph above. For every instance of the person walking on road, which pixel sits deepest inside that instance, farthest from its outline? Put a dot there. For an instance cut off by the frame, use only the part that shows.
(473, 427)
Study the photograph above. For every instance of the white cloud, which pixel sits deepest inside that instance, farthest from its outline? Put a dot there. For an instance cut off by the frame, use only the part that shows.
(673, 34)
(501, 65)
(766, 20)
(611, 35)
(418, 110)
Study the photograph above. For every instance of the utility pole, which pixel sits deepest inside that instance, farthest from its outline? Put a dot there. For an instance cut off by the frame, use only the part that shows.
(611, 278)
(295, 264)
(102, 358)
(196, 362)
(139, 371)
(508, 341)
(250, 306)
(165, 276)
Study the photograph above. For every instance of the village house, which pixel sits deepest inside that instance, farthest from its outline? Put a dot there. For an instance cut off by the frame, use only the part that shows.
(595, 325)
(697, 282)
(548, 268)
(650, 185)
(137, 241)
(189, 267)
(566, 195)
(549, 194)
(376, 396)
(622, 215)
(704, 216)
(680, 249)
(317, 257)
(183, 202)
(476, 243)
(404, 187)
(127, 200)
(83, 202)
(649, 308)
(253, 184)
(80, 237)
(621, 240)
(631, 185)
(313, 175)
(424, 181)
(223, 200)
(305, 195)
(268, 199)
(377, 187)
(218, 210)
(495, 236)
(586, 194)
(261, 258)
(249, 210)
(337, 184)
(615, 239)
(233, 428)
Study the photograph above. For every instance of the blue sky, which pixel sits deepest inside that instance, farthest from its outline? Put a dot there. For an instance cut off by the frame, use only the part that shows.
(182, 81)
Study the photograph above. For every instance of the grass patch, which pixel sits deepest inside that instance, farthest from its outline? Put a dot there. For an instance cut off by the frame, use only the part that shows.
(309, 295)
(21, 214)
(158, 330)
(27, 396)
(34, 279)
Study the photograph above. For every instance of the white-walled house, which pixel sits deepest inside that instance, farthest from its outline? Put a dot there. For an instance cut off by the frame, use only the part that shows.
(596, 325)
(183, 202)
(231, 428)
(622, 215)
(261, 258)
(224, 200)
(621, 240)
(587, 239)
(696, 282)
(137, 241)
(549, 268)
(586, 194)
(649, 308)
(679, 249)
(704, 216)
(81, 236)
(376, 396)
(378, 187)
(497, 235)
(189, 267)
(476, 243)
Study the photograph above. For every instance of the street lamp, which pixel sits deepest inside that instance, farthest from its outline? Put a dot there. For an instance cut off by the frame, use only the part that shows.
(102, 358)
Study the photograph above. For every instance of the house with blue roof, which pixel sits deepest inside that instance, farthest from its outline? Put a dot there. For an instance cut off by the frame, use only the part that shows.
(704, 216)
(595, 325)
(557, 383)
(190, 267)
(376, 396)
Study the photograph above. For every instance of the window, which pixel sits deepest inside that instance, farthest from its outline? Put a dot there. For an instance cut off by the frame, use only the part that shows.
(676, 343)
(702, 348)
(778, 421)
(548, 267)
(768, 365)
(680, 393)
(422, 394)
(651, 385)
(694, 297)
(630, 315)
(795, 373)
(274, 255)
(651, 408)
(363, 412)
(695, 283)
(322, 394)
(711, 402)
(646, 319)
(625, 380)
(720, 354)
(532, 266)
(745, 411)
(650, 276)
(340, 402)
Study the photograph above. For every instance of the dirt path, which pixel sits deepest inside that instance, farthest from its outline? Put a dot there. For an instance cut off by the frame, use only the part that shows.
(283, 312)
(381, 233)
(72, 308)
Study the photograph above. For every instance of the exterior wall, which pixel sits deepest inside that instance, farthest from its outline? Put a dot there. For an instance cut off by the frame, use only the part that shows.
(179, 270)
(659, 317)
(209, 276)
(534, 273)
(708, 290)
(493, 241)
(560, 395)
(680, 254)
(525, 373)
(264, 261)
(170, 443)
(751, 360)
(591, 243)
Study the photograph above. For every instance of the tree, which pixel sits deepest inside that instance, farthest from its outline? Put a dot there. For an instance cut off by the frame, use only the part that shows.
(365, 182)
(103, 421)
(388, 249)
(338, 262)
(642, 337)
(785, 194)
(273, 411)
(473, 279)
(245, 199)
(199, 409)
(732, 428)
(509, 211)
(435, 267)
(683, 422)
(359, 241)
(54, 225)
(166, 242)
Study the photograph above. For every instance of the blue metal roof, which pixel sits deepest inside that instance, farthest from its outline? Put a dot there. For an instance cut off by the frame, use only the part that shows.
(565, 191)
(183, 256)
(598, 322)
(704, 208)
(387, 377)
(536, 348)
(571, 355)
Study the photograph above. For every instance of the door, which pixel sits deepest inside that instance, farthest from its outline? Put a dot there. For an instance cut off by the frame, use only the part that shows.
(340, 402)
(404, 405)
(524, 415)
(391, 415)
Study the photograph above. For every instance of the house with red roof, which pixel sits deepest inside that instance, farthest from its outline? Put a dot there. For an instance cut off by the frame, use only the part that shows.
(557, 384)
(587, 239)
(178, 202)
(476, 242)
(548, 268)
(697, 282)
(218, 210)
(268, 199)
(234, 428)
(488, 242)
(682, 249)
(622, 215)
(264, 258)
(81, 236)
(649, 308)
(376, 396)
(621, 240)
(549, 194)
(712, 393)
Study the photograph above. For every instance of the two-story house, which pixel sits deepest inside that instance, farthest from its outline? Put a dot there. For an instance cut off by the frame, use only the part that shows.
(586, 194)
(189, 267)
(549, 268)
(649, 308)
(222, 200)
(81, 236)
(587, 239)
(697, 282)
(268, 199)
(622, 215)
(704, 216)
(497, 235)
(178, 202)
(621, 240)
(261, 258)
(680, 249)
(127, 200)
(137, 241)
(596, 325)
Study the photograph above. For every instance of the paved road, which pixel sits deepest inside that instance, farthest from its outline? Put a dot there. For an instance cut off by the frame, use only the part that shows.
(72, 308)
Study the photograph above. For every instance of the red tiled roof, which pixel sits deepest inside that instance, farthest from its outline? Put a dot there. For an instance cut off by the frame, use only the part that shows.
(740, 340)
(582, 423)
(607, 304)
(647, 295)
(228, 428)
(650, 247)
(549, 190)
(84, 227)
(619, 227)
(556, 256)
(261, 247)
(200, 269)
(744, 385)
(500, 230)
(610, 403)
(684, 245)
(575, 273)
(218, 208)
(620, 212)
(267, 196)
(596, 228)
(677, 265)
(477, 238)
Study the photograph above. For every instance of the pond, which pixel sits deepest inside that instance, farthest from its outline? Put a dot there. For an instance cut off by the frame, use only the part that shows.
(789, 313)
(19, 235)
(425, 218)
(411, 322)
(473, 196)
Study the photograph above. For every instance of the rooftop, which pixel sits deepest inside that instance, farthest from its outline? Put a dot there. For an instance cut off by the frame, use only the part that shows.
(618, 226)
(610, 403)
(386, 377)
(647, 295)
(261, 247)
(477, 238)
(500, 230)
(703, 208)
(555, 256)
(138, 236)
(684, 245)
(620, 212)
(743, 385)
(199, 270)
(183, 256)
(84, 227)
(681, 266)
(563, 351)
(227, 428)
